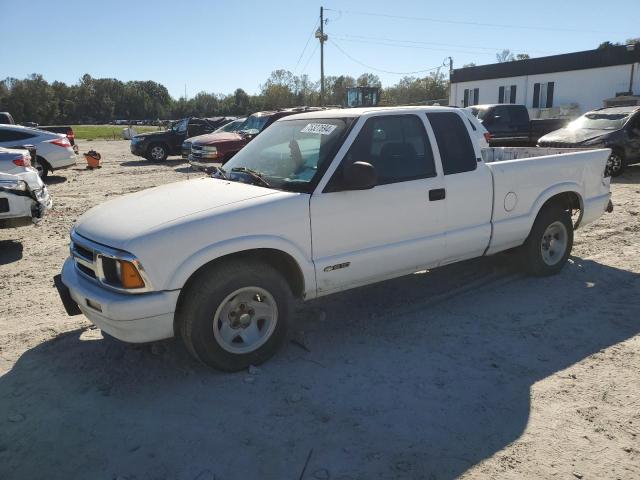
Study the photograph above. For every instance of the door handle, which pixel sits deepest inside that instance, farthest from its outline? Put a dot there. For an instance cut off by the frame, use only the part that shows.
(436, 194)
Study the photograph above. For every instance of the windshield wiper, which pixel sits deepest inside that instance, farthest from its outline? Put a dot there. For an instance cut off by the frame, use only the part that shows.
(218, 172)
(253, 174)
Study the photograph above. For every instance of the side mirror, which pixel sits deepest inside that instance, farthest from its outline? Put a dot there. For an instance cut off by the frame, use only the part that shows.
(359, 176)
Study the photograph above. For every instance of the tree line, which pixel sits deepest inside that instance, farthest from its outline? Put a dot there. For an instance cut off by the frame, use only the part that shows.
(101, 100)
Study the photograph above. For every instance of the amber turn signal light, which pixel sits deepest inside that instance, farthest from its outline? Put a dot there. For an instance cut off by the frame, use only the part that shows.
(129, 275)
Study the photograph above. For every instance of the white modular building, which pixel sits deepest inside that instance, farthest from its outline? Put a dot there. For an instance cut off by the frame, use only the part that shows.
(567, 84)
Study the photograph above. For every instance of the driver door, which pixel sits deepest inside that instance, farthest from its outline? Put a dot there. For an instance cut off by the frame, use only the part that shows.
(394, 228)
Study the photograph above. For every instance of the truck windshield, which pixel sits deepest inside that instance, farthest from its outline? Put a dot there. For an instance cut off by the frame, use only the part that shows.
(479, 113)
(289, 154)
(180, 126)
(599, 121)
(254, 123)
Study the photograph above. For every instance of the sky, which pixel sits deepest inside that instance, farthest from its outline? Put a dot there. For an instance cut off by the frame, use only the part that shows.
(218, 46)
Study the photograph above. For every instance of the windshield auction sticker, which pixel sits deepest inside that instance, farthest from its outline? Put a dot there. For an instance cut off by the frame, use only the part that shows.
(321, 128)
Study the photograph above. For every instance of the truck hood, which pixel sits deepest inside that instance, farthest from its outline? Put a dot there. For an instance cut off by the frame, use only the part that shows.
(152, 134)
(566, 135)
(220, 137)
(116, 222)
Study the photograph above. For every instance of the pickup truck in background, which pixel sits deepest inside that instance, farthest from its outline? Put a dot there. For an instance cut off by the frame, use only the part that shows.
(208, 151)
(157, 146)
(509, 125)
(65, 130)
(319, 203)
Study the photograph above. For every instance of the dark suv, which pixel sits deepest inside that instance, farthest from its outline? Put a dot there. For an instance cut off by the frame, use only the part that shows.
(157, 146)
(617, 128)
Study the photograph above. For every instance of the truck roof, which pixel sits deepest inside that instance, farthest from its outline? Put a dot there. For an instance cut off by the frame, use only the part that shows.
(357, 112)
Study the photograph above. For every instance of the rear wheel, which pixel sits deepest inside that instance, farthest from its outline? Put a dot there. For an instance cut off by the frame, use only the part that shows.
(549, 244)
(157, 153)
(235, 314)
(615, 164)
(42, 167)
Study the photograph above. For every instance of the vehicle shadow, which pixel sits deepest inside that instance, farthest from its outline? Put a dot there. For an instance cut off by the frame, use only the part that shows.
(10, 251)
(144, 163)
(54, 179)
(631, 175)
(389, 384)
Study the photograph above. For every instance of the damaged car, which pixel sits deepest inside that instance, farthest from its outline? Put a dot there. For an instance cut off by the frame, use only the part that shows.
(24, 198)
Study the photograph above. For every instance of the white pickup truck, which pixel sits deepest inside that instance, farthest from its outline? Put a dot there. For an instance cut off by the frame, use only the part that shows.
(319, 203)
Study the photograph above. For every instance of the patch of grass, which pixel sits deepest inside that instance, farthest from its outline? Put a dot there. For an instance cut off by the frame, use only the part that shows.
(106, 132)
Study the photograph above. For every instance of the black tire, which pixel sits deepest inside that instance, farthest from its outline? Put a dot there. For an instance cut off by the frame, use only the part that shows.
(208, 295)
(535, 258)
(157, 152)
(43, 167)
(615, 164)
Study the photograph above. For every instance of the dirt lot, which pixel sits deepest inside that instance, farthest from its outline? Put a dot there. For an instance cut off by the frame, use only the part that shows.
(474, 370)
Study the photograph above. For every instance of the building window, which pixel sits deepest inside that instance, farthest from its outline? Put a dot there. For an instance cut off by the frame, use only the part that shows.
(471, 96)
(543, 95)
(507, 94)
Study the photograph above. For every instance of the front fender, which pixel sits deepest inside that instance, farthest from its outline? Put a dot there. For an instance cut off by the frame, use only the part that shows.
(237, 245)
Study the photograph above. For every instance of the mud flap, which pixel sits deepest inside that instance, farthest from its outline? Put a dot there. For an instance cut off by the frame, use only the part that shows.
(69, 303)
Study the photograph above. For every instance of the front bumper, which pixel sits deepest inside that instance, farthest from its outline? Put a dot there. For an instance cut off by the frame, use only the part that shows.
(132, 318)
(23, 209)
(139, 149)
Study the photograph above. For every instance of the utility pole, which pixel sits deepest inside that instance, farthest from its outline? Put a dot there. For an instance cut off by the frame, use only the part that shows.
(450, 73)
(323, 38)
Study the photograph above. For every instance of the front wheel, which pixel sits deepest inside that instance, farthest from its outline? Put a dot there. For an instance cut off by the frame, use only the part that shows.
(549, 244)
(615, 164)
(235, 314)
(157, 153)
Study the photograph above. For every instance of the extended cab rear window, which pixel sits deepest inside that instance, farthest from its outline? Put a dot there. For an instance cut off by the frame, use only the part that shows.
(454, 143)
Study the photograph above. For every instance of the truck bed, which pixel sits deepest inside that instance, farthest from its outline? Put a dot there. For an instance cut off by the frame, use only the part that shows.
(525, 178)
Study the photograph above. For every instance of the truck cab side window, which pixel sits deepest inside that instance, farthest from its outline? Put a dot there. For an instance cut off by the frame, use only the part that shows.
(456, 150)
(397, 147)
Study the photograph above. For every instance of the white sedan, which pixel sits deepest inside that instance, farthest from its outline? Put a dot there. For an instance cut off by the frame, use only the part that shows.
(24, 199)
(54, 150)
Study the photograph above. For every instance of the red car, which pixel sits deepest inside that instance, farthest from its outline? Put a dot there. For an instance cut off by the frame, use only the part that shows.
(214, 149)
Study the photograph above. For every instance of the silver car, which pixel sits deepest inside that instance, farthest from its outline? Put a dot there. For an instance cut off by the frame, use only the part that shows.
(54, 150)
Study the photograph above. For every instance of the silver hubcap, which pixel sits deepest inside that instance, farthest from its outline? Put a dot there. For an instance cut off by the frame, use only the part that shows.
(245, 320)
(614, 163)
(554, 243)
(157, 153)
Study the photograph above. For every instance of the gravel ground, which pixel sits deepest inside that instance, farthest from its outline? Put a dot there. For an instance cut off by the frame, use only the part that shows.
(471, 371)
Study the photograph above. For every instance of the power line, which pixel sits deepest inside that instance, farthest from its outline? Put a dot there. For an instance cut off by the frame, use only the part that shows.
(371, 42)
(306, 45)
(379, 69)
(309, 59)
(493, 49)
(475, 24)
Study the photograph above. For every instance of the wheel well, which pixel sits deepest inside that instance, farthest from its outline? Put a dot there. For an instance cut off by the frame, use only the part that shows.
(279, 260)
(567, 201)
(44, 162)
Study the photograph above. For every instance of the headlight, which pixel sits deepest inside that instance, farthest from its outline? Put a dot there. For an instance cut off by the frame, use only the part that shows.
(209, 149)
(18, 185)
(121, 273)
